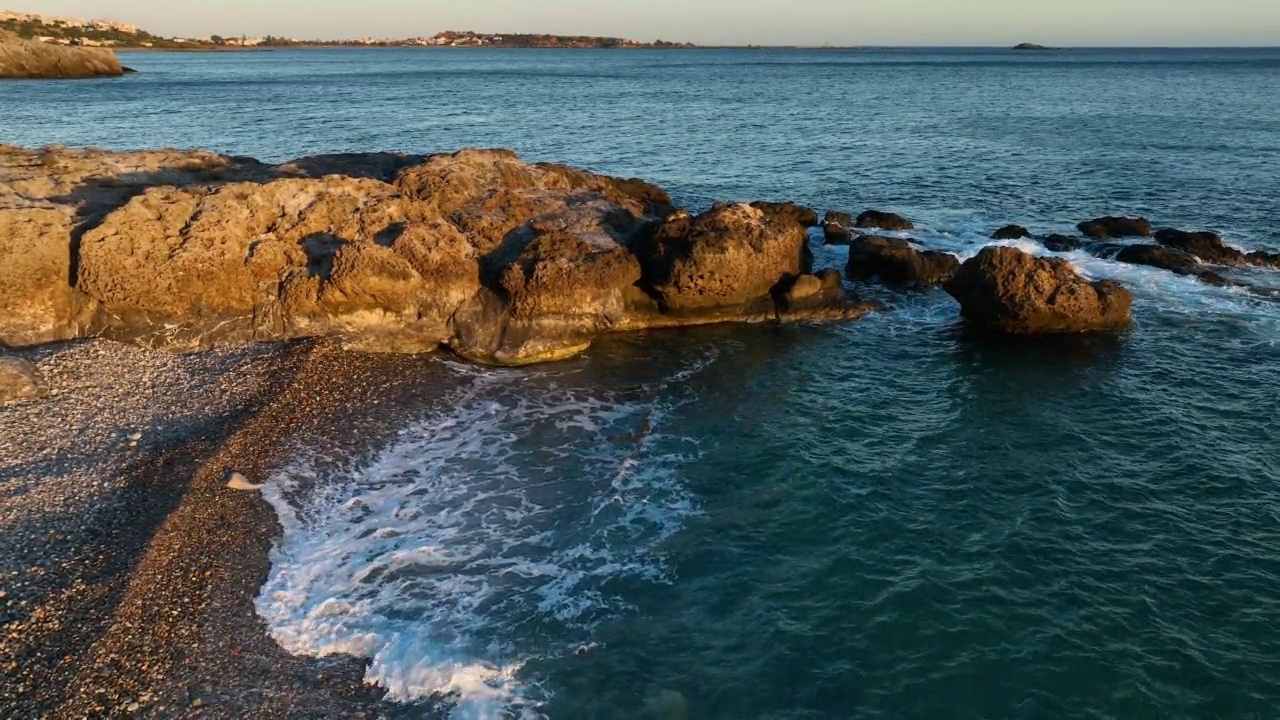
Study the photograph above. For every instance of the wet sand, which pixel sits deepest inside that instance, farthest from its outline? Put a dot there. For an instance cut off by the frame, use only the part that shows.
(128, 575)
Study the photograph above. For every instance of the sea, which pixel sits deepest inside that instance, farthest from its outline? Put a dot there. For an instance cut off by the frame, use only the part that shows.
(878, 519)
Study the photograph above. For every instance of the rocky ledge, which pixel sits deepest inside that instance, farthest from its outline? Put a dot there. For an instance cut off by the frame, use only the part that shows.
(27, 59)
(503, 261)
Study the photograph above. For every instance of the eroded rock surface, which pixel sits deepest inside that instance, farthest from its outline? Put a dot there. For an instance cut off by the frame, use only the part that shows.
(504, 261)
(1005, 290)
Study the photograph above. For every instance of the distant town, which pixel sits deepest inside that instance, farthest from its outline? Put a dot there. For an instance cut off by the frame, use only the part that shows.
(108, 33)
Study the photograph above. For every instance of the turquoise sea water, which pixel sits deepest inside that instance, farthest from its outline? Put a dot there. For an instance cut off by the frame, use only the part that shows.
(882, 519)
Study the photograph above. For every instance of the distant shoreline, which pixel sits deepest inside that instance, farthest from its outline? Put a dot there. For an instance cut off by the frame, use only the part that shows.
(444, 48)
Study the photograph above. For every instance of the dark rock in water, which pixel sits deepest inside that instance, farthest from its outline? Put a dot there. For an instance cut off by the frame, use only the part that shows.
(896, 262)
(1262, 258)
(835, 217)
(1212, 278)
(836, 228)
(1116, 227)
(834, 234)
(1030, 46)
(1205, 245)
(1011, 232)
(1158, 256)
(807, 217)
(18, 380)
(128, 70)
(1062, 243)
(883, 221)
(1005, 290)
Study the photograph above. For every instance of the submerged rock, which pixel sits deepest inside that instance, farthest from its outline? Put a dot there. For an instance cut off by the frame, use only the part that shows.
(883, 221)
(897, 262)
(1207, 246)
(1158, 256)
(1262, 258)
(836, 228)
(835, 234)
(1011, 232)
(30, 59)
(18, 380)
(1005, 290)
(1116, 227)
(1062, 243)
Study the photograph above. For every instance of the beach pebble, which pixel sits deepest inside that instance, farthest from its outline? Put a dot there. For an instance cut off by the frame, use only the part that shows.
(236, 481)
(135, 436)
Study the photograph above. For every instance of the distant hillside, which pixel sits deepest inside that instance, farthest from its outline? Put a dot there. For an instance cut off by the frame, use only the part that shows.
(87, 33)
(107, 33)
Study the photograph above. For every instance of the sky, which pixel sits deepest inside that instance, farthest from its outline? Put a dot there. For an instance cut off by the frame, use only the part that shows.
(733, 22)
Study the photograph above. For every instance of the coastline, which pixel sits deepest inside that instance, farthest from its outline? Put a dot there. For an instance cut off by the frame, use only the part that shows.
(157, 617)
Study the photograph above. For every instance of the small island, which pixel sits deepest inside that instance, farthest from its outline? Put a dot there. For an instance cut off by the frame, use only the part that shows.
(1032, 46)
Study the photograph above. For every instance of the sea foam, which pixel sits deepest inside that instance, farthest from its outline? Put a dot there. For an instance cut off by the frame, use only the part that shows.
(488, 534)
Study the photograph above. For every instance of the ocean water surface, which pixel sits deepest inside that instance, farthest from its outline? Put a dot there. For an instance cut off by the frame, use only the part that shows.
(882, 519)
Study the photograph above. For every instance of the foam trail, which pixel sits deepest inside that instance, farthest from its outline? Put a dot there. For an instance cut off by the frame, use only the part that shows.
(453, 554)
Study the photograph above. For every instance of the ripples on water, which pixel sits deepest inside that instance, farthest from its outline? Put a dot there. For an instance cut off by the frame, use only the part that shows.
(882, 519)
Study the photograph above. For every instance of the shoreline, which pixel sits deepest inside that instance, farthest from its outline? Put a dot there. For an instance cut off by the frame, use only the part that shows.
(150, 609)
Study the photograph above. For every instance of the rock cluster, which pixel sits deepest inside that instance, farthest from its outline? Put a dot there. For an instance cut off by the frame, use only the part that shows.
(1179, 251)
(505, 262)
(28, 59)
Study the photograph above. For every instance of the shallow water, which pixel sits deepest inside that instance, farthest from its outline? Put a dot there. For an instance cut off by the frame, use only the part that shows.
(879, 519)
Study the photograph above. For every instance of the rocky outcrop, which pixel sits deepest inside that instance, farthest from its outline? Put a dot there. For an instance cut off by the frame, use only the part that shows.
(1011, 232)
(1005, 290)
(726, 259)
(897, 262)
(28, 59)
(874, 219)
(18, 380)
(1030, 46)
(505, 262)
(1116, 227)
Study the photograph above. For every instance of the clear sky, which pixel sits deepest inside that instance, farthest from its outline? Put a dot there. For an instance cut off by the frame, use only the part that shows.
(806, 22)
